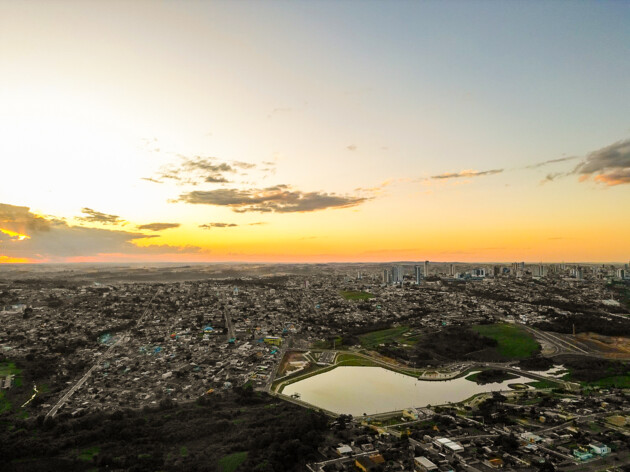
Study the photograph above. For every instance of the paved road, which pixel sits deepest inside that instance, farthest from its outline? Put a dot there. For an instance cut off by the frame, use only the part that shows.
(53, 411)
(562, 346)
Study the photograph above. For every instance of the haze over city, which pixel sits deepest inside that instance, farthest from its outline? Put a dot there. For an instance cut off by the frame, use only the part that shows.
(314, 131)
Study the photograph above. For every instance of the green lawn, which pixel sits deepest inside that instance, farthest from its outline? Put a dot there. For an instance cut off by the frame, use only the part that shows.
(384, 336)
(353, 295)
(514, 341)
(352, 360)
(543, 384)
(230, 463)
(618, 381)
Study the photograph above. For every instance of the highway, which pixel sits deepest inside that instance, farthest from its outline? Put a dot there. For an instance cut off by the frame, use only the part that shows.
(108, 353)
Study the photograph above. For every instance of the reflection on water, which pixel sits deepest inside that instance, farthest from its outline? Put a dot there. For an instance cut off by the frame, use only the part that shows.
(370, 390)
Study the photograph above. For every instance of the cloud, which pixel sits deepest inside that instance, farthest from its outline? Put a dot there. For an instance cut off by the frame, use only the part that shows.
(352, 147)
(93, 216)
(466, 174)
(279, 199)
(551, 161)
(197, 169)
(149, 179)
(243, 165)
(553, 176)
(159, 226)
(52, 239)
(217, 225)
(20, 220)
(609, 165)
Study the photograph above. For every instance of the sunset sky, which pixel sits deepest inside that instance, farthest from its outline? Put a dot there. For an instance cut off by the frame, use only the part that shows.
(314, 131)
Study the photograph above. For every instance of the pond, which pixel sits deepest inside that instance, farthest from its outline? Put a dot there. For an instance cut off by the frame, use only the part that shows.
(371, 390)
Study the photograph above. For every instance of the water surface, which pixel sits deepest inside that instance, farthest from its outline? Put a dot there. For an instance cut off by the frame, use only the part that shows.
(357, 390)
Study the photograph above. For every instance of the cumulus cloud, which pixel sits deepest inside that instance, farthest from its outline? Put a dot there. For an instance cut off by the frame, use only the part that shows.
(93, 216)
(53, 239)
(217, 225)
(279, 199)
(351, 147)
(609, 165)
(466, 174)
(159, 226)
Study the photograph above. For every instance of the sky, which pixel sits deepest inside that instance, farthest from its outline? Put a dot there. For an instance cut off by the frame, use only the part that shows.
(314, 131)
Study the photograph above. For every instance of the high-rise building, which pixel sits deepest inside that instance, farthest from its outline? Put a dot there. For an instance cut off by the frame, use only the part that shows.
(426, 268)
(386, 276)
(451, 270)
(417, 274)
(621, 273)
(397, 274)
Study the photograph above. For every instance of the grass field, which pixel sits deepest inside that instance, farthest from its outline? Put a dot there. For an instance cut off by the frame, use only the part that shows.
(352, 295)
(618, 381)
(231, 462)
(384, 336)
(514, 342)
(352, 360)
(543, 384)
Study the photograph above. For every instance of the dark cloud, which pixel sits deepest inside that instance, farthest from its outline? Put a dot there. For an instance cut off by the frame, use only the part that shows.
(279, 198)
(217, 225)
(53, 239)
(466, 174)
(551, 161)
(159, 226)
(257, 223)
(609, 165)
(93, 216)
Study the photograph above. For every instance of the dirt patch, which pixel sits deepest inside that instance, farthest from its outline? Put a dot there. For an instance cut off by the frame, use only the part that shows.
(614, 347)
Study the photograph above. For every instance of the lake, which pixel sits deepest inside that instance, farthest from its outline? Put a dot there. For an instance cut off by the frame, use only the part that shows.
(371, 390)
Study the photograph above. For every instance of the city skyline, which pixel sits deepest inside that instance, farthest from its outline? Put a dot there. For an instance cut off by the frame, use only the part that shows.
(314, 132)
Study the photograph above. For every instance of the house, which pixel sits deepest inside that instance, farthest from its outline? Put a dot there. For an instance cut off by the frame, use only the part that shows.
(275, 340)
(424, 465)
(364, 463)
(343, 450)
(599, 449)
(582, 455)
(410, 413)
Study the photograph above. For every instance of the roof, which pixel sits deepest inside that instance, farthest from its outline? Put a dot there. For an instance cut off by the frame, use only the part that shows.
(423, 461)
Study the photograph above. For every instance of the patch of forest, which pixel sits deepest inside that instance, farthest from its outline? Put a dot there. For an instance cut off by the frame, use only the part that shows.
(590, 369)
(452, 343)
(586, 323)
(260, 432)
